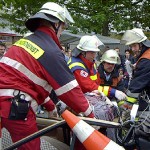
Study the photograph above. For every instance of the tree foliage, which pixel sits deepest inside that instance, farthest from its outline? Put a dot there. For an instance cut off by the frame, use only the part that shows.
(99, 16)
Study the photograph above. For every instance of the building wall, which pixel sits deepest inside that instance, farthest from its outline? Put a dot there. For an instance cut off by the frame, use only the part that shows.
(120, 46)
(9, 40)
(111, 46)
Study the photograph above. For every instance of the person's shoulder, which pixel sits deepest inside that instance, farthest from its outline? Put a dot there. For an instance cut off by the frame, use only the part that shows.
(142, 67)
(76, 59)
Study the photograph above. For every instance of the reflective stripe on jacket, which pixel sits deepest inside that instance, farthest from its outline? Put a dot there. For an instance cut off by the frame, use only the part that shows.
(77, 64)
(35, 65)
(87, 76)
(85, 73)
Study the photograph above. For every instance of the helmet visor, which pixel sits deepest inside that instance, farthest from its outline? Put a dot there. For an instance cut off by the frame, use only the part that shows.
(65, 15)
(131, 37)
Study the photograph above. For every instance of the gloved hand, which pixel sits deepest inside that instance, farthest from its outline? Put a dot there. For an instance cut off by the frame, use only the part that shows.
(61, 106)
(120, 95)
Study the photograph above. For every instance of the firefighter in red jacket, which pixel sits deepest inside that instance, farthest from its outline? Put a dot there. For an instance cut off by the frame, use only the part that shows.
(83, 66)
(29, 71)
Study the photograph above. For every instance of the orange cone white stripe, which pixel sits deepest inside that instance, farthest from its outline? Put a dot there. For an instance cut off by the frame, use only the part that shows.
(88, 136)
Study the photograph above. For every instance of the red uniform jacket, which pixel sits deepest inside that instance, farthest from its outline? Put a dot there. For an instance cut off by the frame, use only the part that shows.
(35, 65)
(87, 75)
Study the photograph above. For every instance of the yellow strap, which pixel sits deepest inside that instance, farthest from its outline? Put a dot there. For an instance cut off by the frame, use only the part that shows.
(76, 64)
(69, 61)
(131, 99)
(121, 103)
(95, 67)
(30, 47)
(105, 90)
(94, 77)
(100, 89)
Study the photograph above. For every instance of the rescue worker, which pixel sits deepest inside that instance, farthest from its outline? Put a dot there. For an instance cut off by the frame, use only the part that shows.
(109, 76)
(82, 64)
(140, 84)
(29, 71)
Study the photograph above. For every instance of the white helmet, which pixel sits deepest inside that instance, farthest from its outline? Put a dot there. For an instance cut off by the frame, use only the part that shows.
(111, 56)
(89, 43)
(135, 35)
(50, 11)
(57, 11)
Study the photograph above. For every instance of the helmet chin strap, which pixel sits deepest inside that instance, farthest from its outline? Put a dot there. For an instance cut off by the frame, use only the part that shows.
(84, 54)
(56, 28)
(140, 48)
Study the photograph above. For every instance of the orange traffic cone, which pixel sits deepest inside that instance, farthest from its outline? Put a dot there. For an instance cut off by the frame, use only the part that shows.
(87, 135)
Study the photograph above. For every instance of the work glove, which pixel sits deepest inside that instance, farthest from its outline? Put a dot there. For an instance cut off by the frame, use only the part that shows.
(120, 95)
(61, 106)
